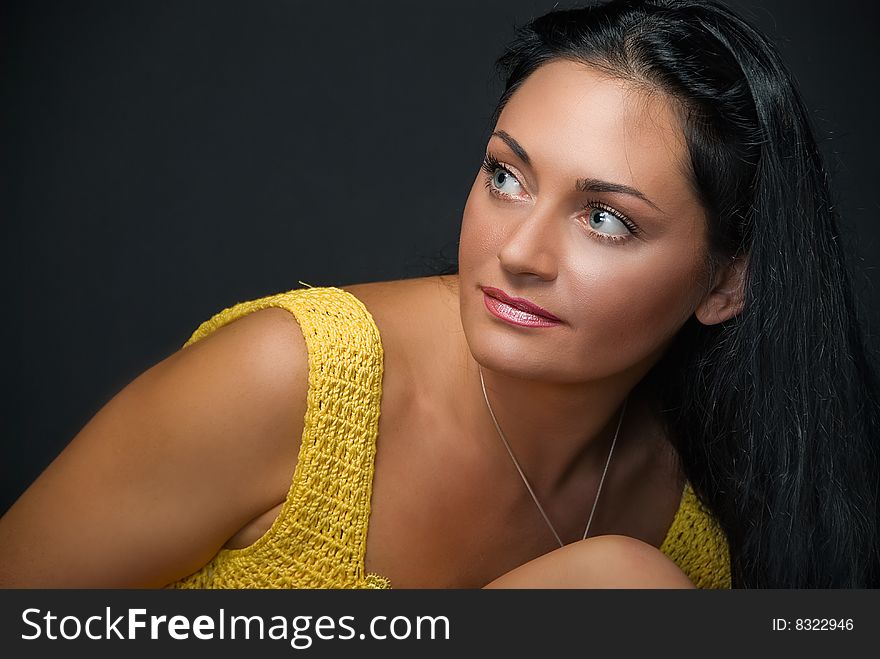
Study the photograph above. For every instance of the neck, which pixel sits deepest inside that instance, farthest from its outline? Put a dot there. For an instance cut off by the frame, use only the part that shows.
(557, 430)
(553, 428)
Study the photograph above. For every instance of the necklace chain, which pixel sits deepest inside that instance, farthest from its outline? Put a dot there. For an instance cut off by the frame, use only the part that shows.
(526, 480)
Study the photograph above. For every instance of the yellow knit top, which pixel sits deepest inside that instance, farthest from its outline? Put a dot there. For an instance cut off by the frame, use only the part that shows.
(319, 538)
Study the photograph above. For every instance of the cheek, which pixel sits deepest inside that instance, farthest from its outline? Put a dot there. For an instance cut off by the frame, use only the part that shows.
(624, 305)
(672, 284)
(477, 235)
(638, 306)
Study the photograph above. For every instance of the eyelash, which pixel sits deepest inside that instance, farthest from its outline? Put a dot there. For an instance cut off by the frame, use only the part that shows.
(491, 165)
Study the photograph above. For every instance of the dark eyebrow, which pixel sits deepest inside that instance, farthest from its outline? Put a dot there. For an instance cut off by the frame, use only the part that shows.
(581, 184)
(514, 146)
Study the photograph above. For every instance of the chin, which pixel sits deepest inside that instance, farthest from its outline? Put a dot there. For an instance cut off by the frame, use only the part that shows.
(504, 352)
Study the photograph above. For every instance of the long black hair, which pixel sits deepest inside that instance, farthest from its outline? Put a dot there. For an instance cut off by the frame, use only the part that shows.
(773, 413)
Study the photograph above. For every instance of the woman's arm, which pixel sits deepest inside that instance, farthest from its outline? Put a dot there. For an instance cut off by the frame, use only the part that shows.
(605, 561)
(170, 468)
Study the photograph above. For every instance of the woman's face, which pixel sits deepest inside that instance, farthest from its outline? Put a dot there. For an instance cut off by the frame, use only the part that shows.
(618, 258)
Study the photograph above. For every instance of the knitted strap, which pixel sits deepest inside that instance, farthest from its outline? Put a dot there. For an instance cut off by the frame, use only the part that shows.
(319, 538)
(697, 544)
(332, 489)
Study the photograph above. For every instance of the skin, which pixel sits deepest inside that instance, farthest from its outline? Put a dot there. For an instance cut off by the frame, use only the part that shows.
(528, 231)
(621, 303)
(557, 392)
(606, 561)
(140, 481)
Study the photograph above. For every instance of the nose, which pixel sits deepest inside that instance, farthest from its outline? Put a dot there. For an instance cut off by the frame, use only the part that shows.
(530, 247)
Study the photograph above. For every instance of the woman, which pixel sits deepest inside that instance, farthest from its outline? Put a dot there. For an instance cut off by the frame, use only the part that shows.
(647, 371)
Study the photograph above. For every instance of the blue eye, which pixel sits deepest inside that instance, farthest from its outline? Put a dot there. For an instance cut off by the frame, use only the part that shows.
(605, 218)
(600, 218)
(499, 175)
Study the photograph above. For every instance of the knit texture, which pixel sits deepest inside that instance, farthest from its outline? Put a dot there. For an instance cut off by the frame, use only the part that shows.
(319, 538)
(697, 544)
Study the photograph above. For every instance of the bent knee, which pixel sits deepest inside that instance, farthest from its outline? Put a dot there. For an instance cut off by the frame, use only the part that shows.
(631, 563)
(606, 561)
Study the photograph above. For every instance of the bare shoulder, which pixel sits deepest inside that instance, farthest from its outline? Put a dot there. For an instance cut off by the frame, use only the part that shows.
(268, 343)
(606, 561)
(173, 464)
(264, 359)
(411, 313)
(259, 365)
(386, 295)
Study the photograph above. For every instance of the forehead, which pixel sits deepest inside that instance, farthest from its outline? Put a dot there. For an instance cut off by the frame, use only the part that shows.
(570, 115)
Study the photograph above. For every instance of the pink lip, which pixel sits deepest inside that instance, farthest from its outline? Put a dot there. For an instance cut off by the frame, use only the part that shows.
(539, 315)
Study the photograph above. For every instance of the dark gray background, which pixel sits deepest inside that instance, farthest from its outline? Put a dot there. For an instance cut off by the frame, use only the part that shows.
(160, 161)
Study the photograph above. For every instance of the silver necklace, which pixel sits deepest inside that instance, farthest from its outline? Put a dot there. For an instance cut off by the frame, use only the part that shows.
(526, 481)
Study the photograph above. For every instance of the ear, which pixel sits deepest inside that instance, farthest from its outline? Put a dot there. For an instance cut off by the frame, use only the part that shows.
(727, 297)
